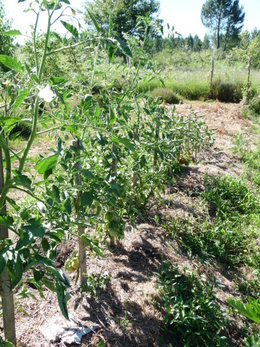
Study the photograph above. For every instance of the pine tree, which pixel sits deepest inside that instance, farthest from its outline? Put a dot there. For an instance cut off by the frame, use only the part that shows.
(224, 18)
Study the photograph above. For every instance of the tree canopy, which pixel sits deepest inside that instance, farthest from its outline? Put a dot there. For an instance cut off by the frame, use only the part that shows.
(124, 13)
(224, 18)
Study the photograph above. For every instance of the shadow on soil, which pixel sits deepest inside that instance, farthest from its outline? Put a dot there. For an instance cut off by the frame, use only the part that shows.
(127, 324)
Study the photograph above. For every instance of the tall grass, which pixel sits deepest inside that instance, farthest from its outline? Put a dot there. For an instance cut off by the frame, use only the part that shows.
(188, 74)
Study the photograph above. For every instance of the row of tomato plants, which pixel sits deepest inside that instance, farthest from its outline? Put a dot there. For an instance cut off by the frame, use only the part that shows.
(115, 150)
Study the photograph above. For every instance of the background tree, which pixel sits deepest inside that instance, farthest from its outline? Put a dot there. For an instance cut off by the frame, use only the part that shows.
(206, 42)
(197, 44)
(224, 17)
(6, 42)
(124, 14)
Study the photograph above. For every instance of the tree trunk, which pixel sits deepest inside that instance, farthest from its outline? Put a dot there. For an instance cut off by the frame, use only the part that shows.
(5, 282)
(81, 244)
(218, 31)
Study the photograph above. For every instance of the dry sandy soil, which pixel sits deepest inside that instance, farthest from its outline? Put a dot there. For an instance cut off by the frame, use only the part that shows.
(124, 311)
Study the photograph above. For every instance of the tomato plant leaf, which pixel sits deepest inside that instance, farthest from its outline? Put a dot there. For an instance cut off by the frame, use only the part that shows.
(20, 98)
(62, 300)
(46, 164)
(73, 30)
(86, 199)
(125, 141)
(11, 63)
(22, 180)
(12, 33)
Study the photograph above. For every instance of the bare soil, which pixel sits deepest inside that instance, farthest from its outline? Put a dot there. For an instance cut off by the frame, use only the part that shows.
(124, 310)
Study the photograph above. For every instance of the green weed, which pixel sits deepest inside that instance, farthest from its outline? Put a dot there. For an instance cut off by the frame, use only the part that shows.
(252, 161)
(229, 197)
(94, 282)
(191, 315)
(230, 235)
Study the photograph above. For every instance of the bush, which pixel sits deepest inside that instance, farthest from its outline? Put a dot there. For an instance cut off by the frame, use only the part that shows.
(191, 315)
(167, 95)
(226, 91)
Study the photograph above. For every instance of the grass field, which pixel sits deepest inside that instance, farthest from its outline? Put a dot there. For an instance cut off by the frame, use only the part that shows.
(189, 74)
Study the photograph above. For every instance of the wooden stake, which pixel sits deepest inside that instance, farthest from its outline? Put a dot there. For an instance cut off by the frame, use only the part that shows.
(5, 282)
(81, 244)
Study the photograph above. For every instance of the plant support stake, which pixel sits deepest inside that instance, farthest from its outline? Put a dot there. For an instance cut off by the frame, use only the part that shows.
(5, 282)
(81, 244)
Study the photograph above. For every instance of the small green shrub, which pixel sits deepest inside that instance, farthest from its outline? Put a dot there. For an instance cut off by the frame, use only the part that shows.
(191, 315)
(167, 95)
(254, 105)
(226, 91)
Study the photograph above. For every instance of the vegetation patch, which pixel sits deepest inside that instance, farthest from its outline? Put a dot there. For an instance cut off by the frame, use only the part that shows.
(226, 91)
(191, 313)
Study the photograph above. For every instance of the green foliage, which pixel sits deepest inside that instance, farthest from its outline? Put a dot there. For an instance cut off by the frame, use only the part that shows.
(6, 39)
(167, 95)
(251, 285)
(230, 236)
(252, 341)
(95, 282)
(124, 14)
(230, 197)
(5, 343)
(252, 161)
(191, 313)
(226, 91)
(254, 105)
(250, 310)
(221, 240)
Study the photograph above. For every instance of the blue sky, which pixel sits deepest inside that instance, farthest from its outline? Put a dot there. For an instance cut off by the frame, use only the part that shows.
(184, 15)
